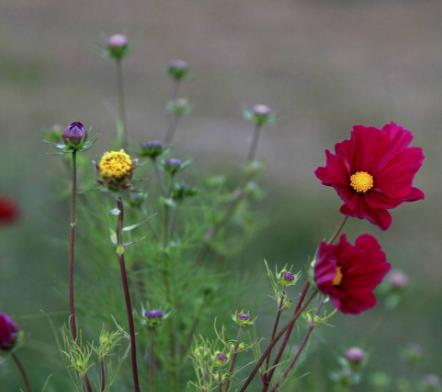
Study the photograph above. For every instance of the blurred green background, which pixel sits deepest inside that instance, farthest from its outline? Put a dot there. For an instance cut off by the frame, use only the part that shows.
(322, 65)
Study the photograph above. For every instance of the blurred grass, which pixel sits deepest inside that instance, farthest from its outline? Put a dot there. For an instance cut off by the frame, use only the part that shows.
(322, 65)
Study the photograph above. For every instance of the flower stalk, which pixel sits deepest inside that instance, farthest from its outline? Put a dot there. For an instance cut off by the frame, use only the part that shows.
(102, 375)
(301, 348)
(233, 360)
(121, 103)
(267, 377)
(151, 369)
(272, 344)
(21, 369)
(254, 145)
(72, 233)
(121, 259)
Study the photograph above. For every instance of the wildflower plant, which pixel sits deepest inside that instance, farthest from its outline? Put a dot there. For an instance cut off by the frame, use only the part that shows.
(163, 230)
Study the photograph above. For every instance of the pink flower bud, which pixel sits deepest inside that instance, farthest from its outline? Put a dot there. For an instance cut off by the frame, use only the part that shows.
(398, 279)
(355, 355)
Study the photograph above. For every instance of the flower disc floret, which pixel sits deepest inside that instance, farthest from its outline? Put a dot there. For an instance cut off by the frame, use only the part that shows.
(116, 169)
(116, 164)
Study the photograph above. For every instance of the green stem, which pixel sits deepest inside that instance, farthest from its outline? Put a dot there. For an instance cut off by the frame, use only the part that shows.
(151, 369)
(212, 232)
(167, 284)
(121, 103)
(174, 117)
(254, 145)
(73, 224)
(158, 177)
(338, 230)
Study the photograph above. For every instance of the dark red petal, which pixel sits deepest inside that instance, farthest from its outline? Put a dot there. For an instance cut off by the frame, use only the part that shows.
(396, 140)
(396, 178)
(381, 218)
(415, 195)
(359, 301)
(366, 147)
(325, 267)
(334, 172)
(379, 201)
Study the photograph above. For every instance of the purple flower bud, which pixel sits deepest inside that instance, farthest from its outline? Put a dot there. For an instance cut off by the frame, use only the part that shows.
(118, 41)
(398, 279)
(118, 46)
(244, 316)
(74, 134)
(222, 357)
(355, 355)
(261, 110)
(259, 115)
(8, 332)
(154, 314)
(178, 69)
(288, 276)
(152, 149)
(432, 381)
(172, 165)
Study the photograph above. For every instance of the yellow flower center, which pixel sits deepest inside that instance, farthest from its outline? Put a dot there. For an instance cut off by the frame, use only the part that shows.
(115, 164)
(338, 277)
(361, 181)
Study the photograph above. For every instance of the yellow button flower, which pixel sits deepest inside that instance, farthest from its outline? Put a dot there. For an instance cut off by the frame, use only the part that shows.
(116, 169)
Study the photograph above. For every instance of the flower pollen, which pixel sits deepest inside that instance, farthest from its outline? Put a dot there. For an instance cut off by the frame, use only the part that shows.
(338, 277)
(116, 164)
(361, 181)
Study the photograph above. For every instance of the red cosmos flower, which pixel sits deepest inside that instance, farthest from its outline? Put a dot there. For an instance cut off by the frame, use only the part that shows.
(8, 210)
(349, 273)
(373, 171)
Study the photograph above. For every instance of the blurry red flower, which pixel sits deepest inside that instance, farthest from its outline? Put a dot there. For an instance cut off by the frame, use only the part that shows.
(373, 171)
(349, 273)
(8, 210)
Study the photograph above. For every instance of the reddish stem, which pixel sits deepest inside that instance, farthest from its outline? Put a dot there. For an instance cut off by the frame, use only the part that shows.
(275, 328)
(22, 371)
(124, 280)
(87, 383)
(285, 342)
(272, 344)
(102, 375)
(301, 348)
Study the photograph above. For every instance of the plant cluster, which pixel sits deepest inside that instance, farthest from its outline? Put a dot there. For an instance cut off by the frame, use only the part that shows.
(157, 310)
